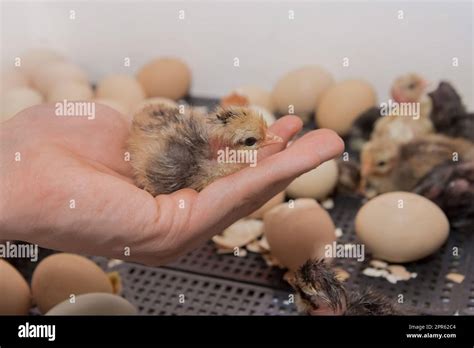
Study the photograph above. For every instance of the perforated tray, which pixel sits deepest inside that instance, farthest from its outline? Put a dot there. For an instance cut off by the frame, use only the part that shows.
(215, 284)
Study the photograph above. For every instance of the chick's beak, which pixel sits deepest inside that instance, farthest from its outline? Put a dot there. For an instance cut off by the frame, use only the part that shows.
(271, 138)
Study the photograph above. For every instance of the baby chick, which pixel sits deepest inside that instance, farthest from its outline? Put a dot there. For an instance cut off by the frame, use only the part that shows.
(388, 166)
(170, 150)
(319, 292)
(406, 89)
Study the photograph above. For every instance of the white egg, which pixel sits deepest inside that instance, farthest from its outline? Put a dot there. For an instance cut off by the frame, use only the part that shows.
(70, 90)
(48, 74)
(94, 304)
(121, 88)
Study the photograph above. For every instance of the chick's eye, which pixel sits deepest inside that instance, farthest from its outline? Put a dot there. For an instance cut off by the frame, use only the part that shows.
(381, 163)
(412, 85)
(250, 141)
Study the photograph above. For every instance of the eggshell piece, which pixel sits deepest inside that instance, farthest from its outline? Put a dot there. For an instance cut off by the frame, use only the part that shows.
(94, 304)
(48, 74)
(60, 275)
(318, 183)
(342, 103)
(15, 295)
(18, 99)
(70, 91)
(301, 88)
(274, 201)
(299, 233)
(165, 77)
(239, 234)
(121, 88)
(401, 227)
(257, 96)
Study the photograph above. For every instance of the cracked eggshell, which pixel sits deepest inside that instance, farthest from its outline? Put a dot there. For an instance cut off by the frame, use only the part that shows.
(342, 103)
(18, 99)
(239, 234)
(165, 77)
(318, 183)
(122, 88)
(299, 233)
(401, 227)
(258, 214)
(60, 275)
(15, 295)
(301, 88)
(94, 304)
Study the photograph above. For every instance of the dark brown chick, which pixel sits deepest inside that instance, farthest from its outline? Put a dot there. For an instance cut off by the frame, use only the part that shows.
(319, 292)
(388, 166)
(170, 151)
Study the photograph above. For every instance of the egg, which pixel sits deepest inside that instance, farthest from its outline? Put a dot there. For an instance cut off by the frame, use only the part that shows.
(13, 78)
(274, 201)
(32, 59)
(342, 103)
(59, 276)
(257, 96)
(15, 295)
(18, 99)
(297, 232)
(318, 183)
(49, 74)
(116, 105)
(94, 304)
(121, 88)
(70, 90)
(267, 115)
(301, 88)
(401, 227)
(165, 77)
(156, 101)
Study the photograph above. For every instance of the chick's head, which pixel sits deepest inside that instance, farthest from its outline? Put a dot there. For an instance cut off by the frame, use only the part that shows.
(379, 158)
(242, 128)
(408, 88)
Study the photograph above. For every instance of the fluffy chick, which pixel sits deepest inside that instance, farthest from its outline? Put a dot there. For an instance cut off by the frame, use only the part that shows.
(170, 151)
(388, 166)
(319, 292)
(409, 88)
(449, 116)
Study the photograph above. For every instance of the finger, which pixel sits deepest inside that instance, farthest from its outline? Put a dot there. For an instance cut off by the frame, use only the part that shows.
(237, 195)
(286, 127)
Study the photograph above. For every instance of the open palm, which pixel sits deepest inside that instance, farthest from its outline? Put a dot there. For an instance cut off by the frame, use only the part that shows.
(66, 184)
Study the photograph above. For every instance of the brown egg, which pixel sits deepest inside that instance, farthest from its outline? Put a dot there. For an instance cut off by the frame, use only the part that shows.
(165, 77)
(47, 75)
(401, 226)
(70, 90)
(258, 214)
(15, 296)
(32, 59)
(13, 78)
(18, 99)
(59, 276)
(318, 183)
(257, 96)
(122, 88)
(301, 88)
(342, 103)
(299, 233)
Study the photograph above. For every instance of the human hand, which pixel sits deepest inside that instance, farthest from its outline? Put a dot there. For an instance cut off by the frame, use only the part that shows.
(72, 189)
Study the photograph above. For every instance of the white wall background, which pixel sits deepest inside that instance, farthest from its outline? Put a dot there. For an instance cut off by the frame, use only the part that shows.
(259, 33)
